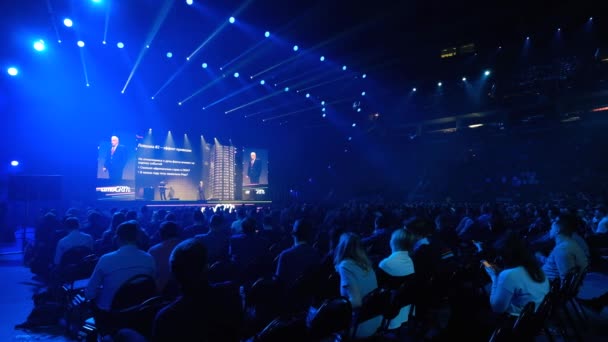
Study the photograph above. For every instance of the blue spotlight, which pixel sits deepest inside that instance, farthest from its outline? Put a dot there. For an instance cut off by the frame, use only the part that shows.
(39, 45)
(414, 89)
(528, 38)
(363, 93)
(590, 18)
(354, 124)
(324, 115)
(344, 67)
(189, 2)
(103, 42)
(364, 76)
(323, 109)
(439, 84)
(307, 95)
(267, 34)
(358, 110)
(322, 59)
(68, 22)
(286, 88)
(169, 54)
(80, 43)
(15, 163)
(231, 20)
(204, 65)
(96, 1)
(350, 138)
(296, 48)
(464, 79)
(487, 73)
(120, 45)
(12, 71)
(262, 82)
(236, 75)
(322, 103)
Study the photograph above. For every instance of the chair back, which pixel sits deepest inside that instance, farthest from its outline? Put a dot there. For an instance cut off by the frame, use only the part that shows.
(374, 304)
(523, 328)
(77, 263)
(222, 271)
(333, 316)
(134, 291)
(401, 297)
(281, 329)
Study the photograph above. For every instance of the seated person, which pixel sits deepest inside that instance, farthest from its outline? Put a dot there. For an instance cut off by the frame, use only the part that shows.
(216, 240)
(204, 312)
(398, 264)
(567, 255)
(247, 248)
(295, 261)
(115, 268)
(75, 238)
(357, 278)
(169, 234)
(521, 281)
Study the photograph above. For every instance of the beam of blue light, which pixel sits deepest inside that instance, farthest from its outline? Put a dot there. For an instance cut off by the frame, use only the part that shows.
(229, 96)
(160, 19)
(13, 71)
(39, 45)
(243, 54)
(68, 22)
(14, 163)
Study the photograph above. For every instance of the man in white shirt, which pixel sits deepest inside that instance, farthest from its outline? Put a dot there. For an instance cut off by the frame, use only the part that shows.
(75, 238)
(567, 256)
(115, 268)
(398, 264)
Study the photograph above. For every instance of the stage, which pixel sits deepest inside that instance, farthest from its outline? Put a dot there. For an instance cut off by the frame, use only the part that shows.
(180, 203)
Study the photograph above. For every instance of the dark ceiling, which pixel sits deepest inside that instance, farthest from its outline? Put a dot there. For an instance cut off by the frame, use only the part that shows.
(395, 44)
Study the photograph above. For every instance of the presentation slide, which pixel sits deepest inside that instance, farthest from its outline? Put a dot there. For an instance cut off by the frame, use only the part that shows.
(167, 172)
(116, 166)
(160, 167)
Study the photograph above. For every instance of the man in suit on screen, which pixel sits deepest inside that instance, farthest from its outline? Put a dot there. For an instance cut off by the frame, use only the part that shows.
(254, 169)
(116, 159)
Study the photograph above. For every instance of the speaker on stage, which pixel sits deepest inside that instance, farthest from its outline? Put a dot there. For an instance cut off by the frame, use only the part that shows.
(33, 188)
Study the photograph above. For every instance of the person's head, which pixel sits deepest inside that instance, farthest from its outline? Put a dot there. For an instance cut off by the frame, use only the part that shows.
(248, 226)
(71, 223)
(117, 219)
(126, 233)
(564, 225)
(131, 215)
(253, 155)
(399, 241)
(514, 252)
(350, 248)
(419, 228)
(170, 217)
(114, 141)
(168, 230)
(189, 265)
(215, 223)
(381, 222)
(302, 231)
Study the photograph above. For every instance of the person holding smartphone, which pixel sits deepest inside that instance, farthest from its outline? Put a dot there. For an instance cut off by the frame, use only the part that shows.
(521, 279)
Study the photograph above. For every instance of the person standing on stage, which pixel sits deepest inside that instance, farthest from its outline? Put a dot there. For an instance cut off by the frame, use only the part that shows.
(201, 191)
(162, 189)
(115, 161)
